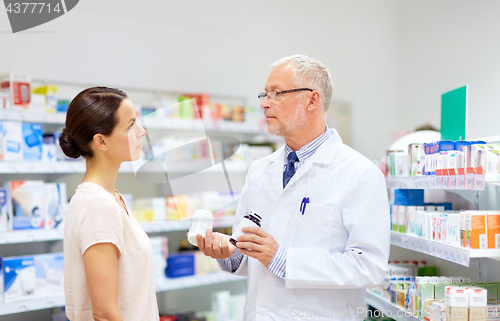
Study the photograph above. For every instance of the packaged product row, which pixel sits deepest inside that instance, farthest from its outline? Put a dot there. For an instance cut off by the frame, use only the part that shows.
(34, 204)
(28, 142)
(17, 93)
(437, 222)
(445, 158)
(437, 297)
(181, 207)
(42, 275)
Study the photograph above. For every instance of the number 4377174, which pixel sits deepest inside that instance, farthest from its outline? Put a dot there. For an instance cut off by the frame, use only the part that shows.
(32, 7)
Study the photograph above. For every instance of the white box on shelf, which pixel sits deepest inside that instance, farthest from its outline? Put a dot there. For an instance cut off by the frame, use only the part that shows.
(19, 278)
(54, 204)
(4, 214)
(49, 273)
(26, 204)
(17, 87)
(12, 141)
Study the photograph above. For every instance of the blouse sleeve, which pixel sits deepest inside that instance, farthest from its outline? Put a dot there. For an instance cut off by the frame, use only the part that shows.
(101, 222)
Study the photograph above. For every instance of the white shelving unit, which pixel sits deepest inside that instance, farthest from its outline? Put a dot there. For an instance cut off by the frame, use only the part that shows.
(486, 261)
(44, 235)
(429, 182)
(158, 123)
(448, 252)
(77, 166)
(161, 126)
(161, 286)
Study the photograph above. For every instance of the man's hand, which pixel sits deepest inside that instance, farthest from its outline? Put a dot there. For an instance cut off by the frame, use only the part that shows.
(260, 245)
(215, 245)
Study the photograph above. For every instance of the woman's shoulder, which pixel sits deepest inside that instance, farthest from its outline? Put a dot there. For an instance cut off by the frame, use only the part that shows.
(90, 195)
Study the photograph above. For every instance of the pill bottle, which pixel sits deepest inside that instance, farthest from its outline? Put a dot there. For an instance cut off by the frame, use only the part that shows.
(201, 221)
(251, 219)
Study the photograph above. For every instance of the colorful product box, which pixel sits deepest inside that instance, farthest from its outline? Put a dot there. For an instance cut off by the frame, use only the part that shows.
(32, 142)
(476, 225)
(26, 204)
(17, 87)
(19, 278)
(493, 226)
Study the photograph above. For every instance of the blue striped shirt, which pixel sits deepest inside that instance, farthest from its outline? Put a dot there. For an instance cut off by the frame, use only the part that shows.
(278, 263)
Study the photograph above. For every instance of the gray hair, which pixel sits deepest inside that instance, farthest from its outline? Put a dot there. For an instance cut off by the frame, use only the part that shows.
(311, 73)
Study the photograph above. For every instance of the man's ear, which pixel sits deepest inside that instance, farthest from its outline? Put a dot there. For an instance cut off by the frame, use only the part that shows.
(99, 142)
(314, 101)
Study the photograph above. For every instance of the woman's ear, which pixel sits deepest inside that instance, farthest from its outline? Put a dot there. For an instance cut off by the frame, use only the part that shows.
(99, 142)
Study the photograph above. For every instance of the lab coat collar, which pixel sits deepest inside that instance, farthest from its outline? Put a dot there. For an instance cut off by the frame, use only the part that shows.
(323, 156)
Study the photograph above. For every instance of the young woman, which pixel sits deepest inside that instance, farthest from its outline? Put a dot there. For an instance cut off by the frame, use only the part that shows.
(108, 270)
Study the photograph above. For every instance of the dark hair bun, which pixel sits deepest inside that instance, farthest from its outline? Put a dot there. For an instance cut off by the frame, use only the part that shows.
(69, 146)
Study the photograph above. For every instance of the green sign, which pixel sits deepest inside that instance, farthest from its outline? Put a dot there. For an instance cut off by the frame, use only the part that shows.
(454, 114)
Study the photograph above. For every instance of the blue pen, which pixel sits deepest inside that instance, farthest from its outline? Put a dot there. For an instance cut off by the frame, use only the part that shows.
(305, 201)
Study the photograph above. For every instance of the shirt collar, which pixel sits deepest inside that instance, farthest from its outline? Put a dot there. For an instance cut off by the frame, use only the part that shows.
(310, 148)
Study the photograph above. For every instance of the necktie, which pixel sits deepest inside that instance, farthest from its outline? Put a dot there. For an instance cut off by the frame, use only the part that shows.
(289, 168)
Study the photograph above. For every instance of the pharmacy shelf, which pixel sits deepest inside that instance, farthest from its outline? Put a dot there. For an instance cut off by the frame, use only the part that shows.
(196, 281)
(429, 182)
(151, 123)
(31, 305)
(445, 251)
(161, 286)
(388, 308)
(30, 236)
(68, 167)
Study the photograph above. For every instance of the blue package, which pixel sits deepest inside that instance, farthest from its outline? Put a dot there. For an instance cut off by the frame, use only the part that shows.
(19, 278)
(32, 142)
(445, 145)
(460, 144)
(179, 265)
(409, 197)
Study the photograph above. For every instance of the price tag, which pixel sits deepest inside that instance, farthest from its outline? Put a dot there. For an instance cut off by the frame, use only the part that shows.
(432, 249)
(22, 307)
(465, 257)
(446, 253)
(3, 239)
(427, 248)
(452, 256)
(31, 167)
(420, 246)
(14, 168)
(438, 250)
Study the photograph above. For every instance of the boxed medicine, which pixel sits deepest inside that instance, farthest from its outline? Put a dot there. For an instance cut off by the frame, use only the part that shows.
(26, 204)
(12, 141)
(55, 204)
(475, 222)
(32, 142)
(15, 88)
(49, 274)
(19, 278)
(4, 215)
(493, 223)
(457, 300)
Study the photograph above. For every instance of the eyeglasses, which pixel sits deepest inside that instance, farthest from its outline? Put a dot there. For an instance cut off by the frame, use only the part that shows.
(274, 95)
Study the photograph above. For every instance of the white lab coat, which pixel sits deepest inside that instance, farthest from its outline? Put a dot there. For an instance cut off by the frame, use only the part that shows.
(339, 247)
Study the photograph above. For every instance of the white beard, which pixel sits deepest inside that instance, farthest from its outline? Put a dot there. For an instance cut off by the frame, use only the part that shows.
(290, 125)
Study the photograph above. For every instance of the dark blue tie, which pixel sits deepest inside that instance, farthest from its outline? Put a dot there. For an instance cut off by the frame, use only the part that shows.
(289, 168)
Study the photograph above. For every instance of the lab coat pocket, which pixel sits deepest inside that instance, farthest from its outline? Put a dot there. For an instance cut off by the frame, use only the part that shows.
(314, 227)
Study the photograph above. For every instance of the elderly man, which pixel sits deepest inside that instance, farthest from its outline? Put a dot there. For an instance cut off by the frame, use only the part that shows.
(324, 236)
